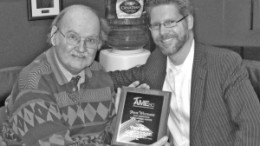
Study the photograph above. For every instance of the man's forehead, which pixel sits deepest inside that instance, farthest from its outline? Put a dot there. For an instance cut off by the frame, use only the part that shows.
(79, 17)
(164, 11)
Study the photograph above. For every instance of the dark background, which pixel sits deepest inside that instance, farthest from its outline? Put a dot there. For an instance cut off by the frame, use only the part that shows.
(44, 3)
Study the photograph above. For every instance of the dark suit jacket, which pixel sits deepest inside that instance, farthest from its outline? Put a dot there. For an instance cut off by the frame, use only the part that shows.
(224, 108)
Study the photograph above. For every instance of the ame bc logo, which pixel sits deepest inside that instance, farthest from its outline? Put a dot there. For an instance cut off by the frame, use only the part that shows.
(144, 103)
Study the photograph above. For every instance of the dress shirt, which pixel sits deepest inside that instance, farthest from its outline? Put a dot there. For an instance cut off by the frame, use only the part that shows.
(178, 81)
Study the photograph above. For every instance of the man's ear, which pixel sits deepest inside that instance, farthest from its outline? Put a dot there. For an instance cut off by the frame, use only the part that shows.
(100, 45)
(53, 31)
(190, 21)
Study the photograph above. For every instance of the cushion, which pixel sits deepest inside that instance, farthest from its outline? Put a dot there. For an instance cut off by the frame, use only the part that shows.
(7, 135)
(2, 114)
(7, 78)
(253, 68)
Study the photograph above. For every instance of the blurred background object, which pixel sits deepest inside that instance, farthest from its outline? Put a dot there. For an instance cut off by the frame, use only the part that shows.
(127, 37)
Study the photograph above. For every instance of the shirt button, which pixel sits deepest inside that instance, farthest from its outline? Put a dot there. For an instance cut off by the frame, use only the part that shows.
(74, 89)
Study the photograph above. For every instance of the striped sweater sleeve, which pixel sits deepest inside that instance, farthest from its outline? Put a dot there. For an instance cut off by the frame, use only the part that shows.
(37, 119)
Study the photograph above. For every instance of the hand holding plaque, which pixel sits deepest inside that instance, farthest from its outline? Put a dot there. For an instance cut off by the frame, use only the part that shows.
(142, 116)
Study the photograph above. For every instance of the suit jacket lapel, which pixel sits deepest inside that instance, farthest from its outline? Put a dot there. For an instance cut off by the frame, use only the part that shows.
(197, 88)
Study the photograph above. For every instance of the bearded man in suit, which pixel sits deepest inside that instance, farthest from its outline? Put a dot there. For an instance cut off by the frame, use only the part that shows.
(213, 101)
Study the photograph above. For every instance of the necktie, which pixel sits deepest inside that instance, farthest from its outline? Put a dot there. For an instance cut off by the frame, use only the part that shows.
(74, 81)
(74, 84)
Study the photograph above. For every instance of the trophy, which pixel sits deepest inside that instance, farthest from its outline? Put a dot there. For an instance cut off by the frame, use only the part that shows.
(142, 116)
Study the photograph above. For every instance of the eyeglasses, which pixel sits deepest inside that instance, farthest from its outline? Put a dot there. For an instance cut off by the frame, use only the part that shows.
(74, 39)
(167, 24)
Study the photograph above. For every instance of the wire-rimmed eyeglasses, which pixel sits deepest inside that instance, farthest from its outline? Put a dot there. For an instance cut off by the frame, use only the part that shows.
(74, 39)
(167, 24)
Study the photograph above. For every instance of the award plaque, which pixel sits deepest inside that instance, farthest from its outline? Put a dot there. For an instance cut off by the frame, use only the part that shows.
(142, 116)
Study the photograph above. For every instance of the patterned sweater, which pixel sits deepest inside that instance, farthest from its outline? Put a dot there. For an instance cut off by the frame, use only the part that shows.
(45, 109)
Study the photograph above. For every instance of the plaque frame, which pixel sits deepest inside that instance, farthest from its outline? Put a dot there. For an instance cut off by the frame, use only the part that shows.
(165, 108)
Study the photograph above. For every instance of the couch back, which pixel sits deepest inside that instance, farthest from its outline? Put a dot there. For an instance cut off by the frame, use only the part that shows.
(7, 78)
(10, 74)
(253, 68)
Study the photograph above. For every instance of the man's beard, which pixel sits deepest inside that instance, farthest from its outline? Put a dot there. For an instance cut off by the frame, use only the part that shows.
(180, 42)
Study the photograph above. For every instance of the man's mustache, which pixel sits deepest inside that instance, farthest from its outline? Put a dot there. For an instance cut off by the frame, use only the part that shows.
(168, 36)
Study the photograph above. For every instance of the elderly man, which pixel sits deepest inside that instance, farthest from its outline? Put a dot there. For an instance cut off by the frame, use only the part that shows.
(64, 97)
(213, 102)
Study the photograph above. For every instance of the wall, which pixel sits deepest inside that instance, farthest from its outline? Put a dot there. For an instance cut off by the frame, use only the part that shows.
(228, 22)
(22, 40)
(234, 24)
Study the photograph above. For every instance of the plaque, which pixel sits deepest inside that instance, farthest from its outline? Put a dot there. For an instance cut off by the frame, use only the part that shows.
(142, 116)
